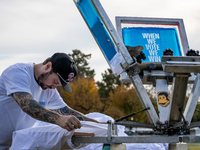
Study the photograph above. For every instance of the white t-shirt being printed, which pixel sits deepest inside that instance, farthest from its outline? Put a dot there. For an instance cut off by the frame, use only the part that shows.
(20, 78)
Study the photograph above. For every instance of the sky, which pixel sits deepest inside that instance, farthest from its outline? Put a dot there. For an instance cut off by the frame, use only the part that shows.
(32, 30)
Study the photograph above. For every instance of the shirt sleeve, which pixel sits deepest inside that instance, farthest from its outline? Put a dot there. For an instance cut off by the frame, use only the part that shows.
(56, 101)
(16, 80)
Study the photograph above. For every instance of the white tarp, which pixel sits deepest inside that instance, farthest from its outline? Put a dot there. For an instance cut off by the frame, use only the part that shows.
(45, 136)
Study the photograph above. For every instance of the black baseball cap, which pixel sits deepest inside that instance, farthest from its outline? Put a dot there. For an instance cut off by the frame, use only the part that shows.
(65, 68)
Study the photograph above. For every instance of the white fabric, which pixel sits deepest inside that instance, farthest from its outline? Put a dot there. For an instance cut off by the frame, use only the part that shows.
(48, 137)
(20, 78)
(45, 136)
(91, 127)
(129, 146)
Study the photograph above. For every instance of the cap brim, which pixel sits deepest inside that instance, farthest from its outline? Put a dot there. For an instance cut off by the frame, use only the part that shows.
(66, 86)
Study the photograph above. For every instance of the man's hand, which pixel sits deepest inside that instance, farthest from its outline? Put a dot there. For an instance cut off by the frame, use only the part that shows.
(69, 122)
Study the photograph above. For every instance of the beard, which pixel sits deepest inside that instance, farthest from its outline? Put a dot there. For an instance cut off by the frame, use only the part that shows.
(43, 77)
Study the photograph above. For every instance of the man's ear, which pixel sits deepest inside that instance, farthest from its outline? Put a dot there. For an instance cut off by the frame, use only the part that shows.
(48, 66)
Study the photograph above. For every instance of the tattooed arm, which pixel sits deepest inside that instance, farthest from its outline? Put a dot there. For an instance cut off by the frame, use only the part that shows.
(34, 109)
(37, 111)
(69, 111)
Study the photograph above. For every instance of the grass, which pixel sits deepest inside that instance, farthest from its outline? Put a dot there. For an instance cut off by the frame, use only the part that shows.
(193, 147)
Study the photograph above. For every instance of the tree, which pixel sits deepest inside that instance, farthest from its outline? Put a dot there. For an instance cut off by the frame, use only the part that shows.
(82, 64)
(84, 98)
(114, 112)
(127, 100)
(108, 83)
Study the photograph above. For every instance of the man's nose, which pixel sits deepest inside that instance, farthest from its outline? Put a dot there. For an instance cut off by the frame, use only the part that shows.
(53, 87)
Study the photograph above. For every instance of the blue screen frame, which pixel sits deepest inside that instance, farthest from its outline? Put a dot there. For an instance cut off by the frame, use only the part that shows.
(97, 28)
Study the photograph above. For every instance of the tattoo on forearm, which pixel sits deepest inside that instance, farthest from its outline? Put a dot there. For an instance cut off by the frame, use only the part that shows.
(34, 109)
(68, 111)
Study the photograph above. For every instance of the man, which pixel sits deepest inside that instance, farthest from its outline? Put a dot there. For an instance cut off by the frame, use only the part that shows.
(28, 92)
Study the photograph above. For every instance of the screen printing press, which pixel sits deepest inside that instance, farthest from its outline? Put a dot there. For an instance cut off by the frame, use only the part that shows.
(147, 51)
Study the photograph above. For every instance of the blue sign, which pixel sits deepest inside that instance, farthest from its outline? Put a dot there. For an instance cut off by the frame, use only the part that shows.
(154, 41)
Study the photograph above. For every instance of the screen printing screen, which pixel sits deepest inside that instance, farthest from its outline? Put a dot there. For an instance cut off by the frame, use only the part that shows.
(154, 41)
(101, 33)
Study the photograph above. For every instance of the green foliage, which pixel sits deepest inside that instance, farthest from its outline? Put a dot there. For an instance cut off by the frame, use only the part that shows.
(109, 83)
(81, 61)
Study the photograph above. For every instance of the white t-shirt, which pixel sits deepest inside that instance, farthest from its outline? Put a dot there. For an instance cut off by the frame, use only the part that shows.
(20, 78)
